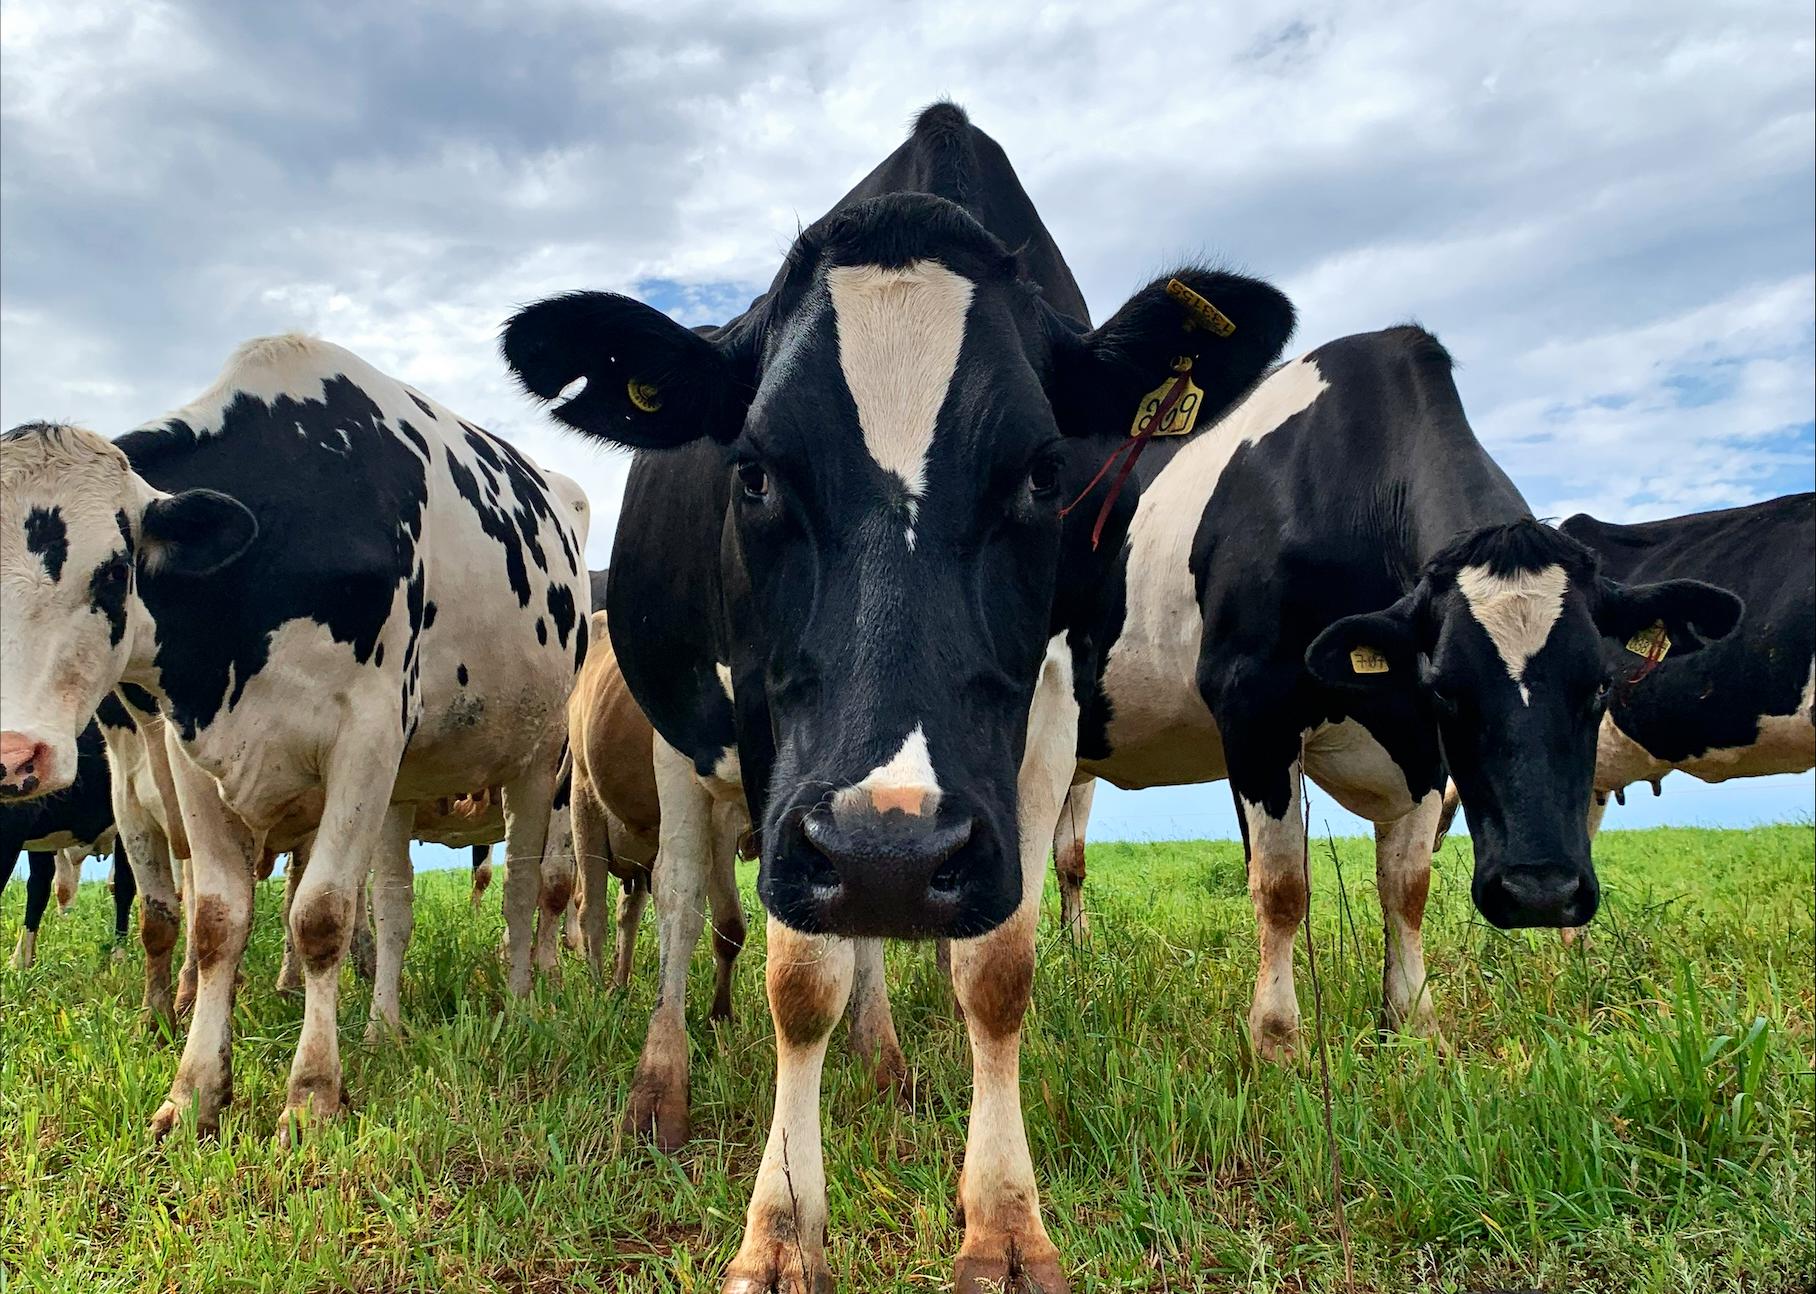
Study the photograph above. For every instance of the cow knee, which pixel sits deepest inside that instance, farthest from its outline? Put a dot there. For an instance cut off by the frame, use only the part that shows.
(804, 998)
(216, 931)
(319, 926)
(157, 928)
(556, 892)
(728, 938)
(1280, 900)
(998, 984)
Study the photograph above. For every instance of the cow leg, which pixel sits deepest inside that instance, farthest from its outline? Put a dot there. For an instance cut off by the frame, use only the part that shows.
(186, 977)
(592, 855)
(659, 1097)
(357, 822)
(146, 852)
(41, 869)
(219, 891)
(394, 915)
(290, 974)
(727, 907)
(527, 804)
(482, 872)
(362, 945)
(633, 897)
(873, 1038)
(68, 875)
(555, 889)
(125, 890)
(808, 978)
(1447, 815)
(1069, 858)
(1276, 874)
(1006, 1244)
(1402, 878)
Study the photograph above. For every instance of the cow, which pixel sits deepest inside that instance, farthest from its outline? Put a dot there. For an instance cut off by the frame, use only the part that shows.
(835, 591)
(78, 822)
(1742, 706)
(329, 583)
(1335, 581)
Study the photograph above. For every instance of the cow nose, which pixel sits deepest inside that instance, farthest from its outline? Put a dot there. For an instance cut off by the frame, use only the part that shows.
(1540, 896)
(25, 765)
(883, 873)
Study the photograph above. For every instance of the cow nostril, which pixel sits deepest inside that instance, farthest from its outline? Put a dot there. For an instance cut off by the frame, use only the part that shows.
(949, 879)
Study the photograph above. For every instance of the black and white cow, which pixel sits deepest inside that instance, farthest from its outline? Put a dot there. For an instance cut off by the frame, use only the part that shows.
(1335, 580)
(333, 586)
(836, 591)
(1740, 707)
(78, 821)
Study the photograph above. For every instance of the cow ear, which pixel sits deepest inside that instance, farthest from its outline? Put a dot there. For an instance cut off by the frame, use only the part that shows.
(1229, 326)
(1376, 650)
(650, 382)
(1689, 613)
(194, 533)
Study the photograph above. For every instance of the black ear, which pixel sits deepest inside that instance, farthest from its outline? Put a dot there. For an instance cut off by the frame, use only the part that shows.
(650, 383)
(1231, 327)
(1694, 614)
(1380, 649)
(194, 533)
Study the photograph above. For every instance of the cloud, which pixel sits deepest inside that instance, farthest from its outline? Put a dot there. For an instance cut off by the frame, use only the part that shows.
(1606, 211)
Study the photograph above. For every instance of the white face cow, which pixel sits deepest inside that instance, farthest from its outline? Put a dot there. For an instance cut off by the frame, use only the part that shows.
(76, 527)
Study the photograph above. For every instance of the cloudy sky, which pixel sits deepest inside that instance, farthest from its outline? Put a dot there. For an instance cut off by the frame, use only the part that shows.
(1605, 211)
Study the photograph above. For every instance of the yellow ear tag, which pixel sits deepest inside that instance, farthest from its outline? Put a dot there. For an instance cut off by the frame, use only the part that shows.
(1366, 660)
(643, 395)
(1203, 311)
(1651, 643)
(1181, 417)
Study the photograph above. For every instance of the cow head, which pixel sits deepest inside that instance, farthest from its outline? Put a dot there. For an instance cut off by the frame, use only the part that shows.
(1510, 638)
(78, 531)
(902, 418)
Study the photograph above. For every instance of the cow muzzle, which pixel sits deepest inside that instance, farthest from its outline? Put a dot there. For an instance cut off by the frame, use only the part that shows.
(1542, 895)
(888, 873)
(30, 767)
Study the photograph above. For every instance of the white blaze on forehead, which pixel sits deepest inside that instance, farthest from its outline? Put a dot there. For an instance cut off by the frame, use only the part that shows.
(906, 782)
(1516, 610)
(899, 338)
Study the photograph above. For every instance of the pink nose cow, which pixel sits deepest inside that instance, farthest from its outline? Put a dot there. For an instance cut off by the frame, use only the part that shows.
(24, 764)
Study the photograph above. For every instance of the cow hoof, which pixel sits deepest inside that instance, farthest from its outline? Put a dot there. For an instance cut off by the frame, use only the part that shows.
(165, 1119)
(294, 1124)
(658, 1111)
(791, 1273)
(892, 1076)
(1010, 1272)
(1275, 1038)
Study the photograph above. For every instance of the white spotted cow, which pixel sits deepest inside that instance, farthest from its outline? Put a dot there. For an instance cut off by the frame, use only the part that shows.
(331, 585)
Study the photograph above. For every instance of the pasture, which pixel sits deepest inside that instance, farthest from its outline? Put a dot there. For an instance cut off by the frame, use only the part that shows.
(1633, 1114)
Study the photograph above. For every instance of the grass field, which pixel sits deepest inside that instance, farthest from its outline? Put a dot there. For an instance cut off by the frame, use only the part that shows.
(1633, 1115)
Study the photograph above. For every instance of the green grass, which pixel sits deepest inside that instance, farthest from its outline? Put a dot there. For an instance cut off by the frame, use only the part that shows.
(1630, 1116)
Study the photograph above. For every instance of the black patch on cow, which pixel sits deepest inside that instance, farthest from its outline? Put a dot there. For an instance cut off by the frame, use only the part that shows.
(108, 586)
(378, 656)
(461, 674)
(112, 713)
(424, 406)
(542, 631)
(428, 615)
(339, 496)
(414, 436)
(561, 610)
(125, 524)
(48, 537)
(138, 698)
(496, 524)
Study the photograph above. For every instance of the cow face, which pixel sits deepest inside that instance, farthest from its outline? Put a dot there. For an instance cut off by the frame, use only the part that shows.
(903, 418)
(78, 531)
(1508, 640)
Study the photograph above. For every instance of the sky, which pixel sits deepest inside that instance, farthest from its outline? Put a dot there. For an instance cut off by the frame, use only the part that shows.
(1606, 212)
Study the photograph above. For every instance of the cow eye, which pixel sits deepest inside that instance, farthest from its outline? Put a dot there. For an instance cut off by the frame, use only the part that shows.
(1043, 476)
(754, 480)
(116, 571)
